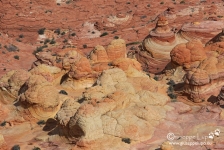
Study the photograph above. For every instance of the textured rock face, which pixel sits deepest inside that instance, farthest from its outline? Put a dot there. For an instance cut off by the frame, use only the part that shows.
(99, 54)
(217, 47)
(125, 63)
(45, 58)
(70, 58)
(204, 68)
(220, 97)
(41, 97)
(81, 69)
(72, 69)
(116, 49)
(68, 108)
(206, 80)
(162, 25)
(80, 75)
(50, 73)
(13, 80)
(155, 53)
(114, 107)
(185, 54)
(37, 90)
(121, 106)
(203, 31)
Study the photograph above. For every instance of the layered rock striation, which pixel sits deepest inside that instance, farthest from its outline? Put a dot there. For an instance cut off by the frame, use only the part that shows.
(204, 30)
(155, 53)
(203, 66)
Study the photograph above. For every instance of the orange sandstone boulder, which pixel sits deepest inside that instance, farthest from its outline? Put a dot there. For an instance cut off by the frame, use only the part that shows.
(13, 81)
(116, 49)
(187, 53)
(99, 54)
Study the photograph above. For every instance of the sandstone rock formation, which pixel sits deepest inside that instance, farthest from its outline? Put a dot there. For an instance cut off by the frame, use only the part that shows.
(203, 66)
(155, 54)
(125, 63)
(106, 101)
(116, 49)
(83, 72)
(50, 73)
(203, 31)
(71, 57)
(40, 97)
(114, 102)
(99, 54)
(185, 54)
(12, 82)
(68, 109)
(204, 81)
(162, 26)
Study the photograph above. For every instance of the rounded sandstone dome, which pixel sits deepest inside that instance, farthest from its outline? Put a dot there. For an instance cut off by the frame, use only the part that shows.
(41, 97)
(13, 81)
(116, 49)
(99, 54)
(81, 69)
(188, 53)
(41, 92)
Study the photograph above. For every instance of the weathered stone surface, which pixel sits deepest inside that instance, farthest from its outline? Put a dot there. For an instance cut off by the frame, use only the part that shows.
(41, 97)
(204, 68)
(116, 49)
(13, 81)
(99, 54)
(184, 54)
(155, 53)
(113, 107)
(100, 109)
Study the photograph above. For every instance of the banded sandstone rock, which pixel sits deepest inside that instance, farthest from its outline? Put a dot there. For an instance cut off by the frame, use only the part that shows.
(185, 54)
(204, 30)
(155, 54)
(204, 69)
